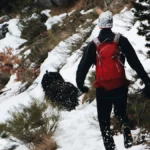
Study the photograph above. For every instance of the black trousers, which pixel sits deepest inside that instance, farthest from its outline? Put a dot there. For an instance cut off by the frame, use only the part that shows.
(105, 101)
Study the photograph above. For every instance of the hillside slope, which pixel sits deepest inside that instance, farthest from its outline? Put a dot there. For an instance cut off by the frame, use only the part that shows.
(77, 129)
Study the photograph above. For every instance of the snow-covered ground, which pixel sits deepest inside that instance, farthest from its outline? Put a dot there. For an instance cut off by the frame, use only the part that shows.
(77, 129)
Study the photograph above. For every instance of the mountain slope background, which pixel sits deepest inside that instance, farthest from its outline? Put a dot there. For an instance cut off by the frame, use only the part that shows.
(53, 39)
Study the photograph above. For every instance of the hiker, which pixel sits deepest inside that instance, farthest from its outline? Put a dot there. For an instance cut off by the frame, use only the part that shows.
(108, 53)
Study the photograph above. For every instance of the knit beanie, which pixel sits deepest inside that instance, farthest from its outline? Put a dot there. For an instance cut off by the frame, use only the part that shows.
(105, 20)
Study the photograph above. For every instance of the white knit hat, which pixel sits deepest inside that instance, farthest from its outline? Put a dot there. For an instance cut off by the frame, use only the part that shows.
(105, 20)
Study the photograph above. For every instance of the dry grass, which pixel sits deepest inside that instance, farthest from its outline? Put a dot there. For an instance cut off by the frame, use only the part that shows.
(27, 75)
(47, 143)
(81, 5)
(78, 5)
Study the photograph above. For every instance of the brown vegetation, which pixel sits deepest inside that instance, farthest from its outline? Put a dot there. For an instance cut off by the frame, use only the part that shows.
(114, 5)
(47, 143)
(7, 61)
(12, 64)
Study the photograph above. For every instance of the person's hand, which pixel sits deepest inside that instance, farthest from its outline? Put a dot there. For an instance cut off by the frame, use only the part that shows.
(146, 91)
(84, 89)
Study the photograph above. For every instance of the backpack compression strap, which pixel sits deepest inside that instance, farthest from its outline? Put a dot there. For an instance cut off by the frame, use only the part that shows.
(96, 41)
(117, 37)
(116, 40)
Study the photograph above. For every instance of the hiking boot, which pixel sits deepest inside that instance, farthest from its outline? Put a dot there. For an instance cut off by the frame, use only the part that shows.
(111, 148)
(128, 140)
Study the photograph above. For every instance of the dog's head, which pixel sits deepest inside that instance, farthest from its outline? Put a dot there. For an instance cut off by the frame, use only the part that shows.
(50, 78)
(55, 77)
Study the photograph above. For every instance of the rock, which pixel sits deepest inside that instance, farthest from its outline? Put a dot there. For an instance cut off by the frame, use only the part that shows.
(45, 3)
(3, 31)
(5, 18)
(1, 34)
(61, 2)
(43, 18)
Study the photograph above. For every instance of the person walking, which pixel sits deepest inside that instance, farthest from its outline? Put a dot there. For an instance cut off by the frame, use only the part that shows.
(108, 52)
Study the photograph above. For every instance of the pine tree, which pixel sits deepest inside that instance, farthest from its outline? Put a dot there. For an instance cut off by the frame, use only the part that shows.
(142, 14)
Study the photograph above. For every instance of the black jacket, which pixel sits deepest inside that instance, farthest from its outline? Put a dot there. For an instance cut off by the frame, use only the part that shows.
(89, 57)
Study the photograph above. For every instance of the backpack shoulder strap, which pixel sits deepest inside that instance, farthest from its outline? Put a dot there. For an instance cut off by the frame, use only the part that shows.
(96, 41)
(117, 37)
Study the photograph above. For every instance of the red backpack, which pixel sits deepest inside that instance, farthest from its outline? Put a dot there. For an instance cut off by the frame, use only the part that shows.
(110, 73)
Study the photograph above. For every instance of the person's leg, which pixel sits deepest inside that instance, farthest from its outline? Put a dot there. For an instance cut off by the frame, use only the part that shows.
(120, 104)
(104, 108)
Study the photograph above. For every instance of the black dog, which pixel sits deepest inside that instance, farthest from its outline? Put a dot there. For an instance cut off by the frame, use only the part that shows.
(59, 91)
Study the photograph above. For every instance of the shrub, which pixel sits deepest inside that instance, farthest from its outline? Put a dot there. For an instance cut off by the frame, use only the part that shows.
(142, 14)
(31, 123)
(32, 28)
(7, 61)
(90, 96)
(12, 64)
(3, 129)
(47, 143)
(138, 108)
(38, 54)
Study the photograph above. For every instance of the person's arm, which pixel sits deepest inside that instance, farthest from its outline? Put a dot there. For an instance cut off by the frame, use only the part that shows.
(88, 58)
(133, 60)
